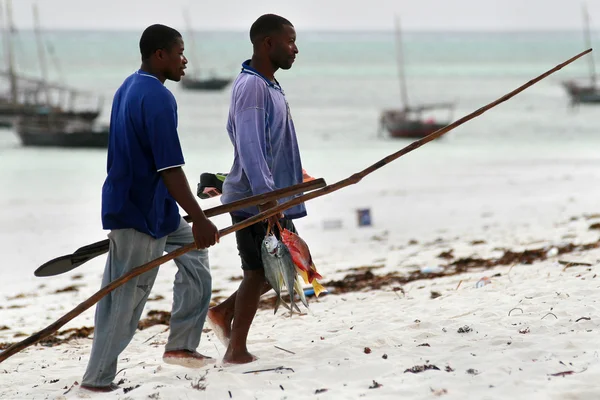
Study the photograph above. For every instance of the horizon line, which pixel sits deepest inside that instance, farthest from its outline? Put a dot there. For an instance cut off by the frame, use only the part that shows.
(314, 30)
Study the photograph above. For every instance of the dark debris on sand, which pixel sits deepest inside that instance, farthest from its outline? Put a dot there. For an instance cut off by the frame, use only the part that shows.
(72, 288)
(464, 329)
(375, 385)
(447, 255)
(368, 280)
(155, 317)
(421, 368)
(522, 257)
(66, 336)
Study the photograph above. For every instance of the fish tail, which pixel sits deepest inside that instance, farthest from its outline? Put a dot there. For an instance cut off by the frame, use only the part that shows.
(303, 274)
(318, 288)
(279, 302)
(300, 291)
(296, 308)
(313, 274)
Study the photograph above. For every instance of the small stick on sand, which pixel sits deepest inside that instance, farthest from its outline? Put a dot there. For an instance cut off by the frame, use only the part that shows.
(550, 314)
(288, 351)
(269, 369)
(516, 308)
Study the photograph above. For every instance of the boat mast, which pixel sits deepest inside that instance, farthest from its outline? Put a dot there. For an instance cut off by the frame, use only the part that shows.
(588, 43)
(41, 53)
(191, 50)
(400, 64)
(8, 47)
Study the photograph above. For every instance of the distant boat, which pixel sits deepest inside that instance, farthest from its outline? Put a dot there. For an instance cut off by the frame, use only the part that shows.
(409, 121)
(41, 111)
(208, 84)
(194, 81)
(29, 96)
(581, 93)
(587, 93)
(56, 131)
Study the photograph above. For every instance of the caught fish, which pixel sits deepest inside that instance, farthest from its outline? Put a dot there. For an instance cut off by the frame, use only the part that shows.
(270, 258)
(280, 271)
(303, 260)
(298, 288)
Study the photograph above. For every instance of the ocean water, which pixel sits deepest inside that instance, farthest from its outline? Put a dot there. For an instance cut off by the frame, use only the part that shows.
(341, 81)
(50, 198)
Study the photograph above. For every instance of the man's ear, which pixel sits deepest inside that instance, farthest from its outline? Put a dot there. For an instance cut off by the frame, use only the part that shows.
(159, 54)
(268, 42)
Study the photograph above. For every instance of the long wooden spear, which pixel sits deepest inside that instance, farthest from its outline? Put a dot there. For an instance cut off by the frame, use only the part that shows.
(353, 179)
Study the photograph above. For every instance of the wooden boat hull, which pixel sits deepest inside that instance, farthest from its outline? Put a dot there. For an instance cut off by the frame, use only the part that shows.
(58, 131)
(71, 140)
(211, 84)
(586, 94)
(400, 127)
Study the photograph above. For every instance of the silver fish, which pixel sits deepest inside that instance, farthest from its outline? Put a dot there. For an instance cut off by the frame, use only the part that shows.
(270, 255)
(298, 288)
(288, 270)
(280, 271)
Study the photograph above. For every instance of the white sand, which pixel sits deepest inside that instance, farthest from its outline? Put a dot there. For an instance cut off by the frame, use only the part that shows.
(508, 205)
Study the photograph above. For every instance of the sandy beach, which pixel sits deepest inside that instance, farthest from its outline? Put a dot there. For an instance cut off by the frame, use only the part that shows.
(408, 314)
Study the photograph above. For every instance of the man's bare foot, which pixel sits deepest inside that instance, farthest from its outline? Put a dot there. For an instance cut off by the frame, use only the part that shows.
(240, 357)
(220, 324)
(101, 389)
(187, 358)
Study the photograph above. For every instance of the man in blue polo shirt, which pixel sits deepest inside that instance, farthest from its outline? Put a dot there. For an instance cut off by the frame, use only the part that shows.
(144, 184)
(266, 158)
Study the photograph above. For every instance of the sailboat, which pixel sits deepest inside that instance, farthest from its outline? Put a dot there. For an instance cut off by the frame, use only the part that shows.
(585, 92)
(409, 121)
(33, 100)
(42, 112)
(193, 81)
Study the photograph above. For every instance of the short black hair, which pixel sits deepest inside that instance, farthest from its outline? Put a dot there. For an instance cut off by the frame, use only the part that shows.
(157, 37)
(266, 25)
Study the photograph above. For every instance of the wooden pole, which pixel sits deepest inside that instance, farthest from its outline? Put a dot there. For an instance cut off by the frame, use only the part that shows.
(355, 178)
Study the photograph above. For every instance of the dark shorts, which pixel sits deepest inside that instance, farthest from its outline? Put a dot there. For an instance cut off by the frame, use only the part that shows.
(249, 241)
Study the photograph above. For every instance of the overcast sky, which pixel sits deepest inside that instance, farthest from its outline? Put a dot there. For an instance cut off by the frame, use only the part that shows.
(310, 14)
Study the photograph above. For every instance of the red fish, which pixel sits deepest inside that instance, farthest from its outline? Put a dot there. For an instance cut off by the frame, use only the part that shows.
(303, 260)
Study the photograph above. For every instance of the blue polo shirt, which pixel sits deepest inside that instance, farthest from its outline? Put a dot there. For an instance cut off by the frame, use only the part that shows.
(266, 156)
(143, 141)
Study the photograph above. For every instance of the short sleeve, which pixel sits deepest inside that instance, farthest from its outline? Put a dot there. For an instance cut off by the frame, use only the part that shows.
(161, 127)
